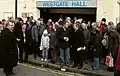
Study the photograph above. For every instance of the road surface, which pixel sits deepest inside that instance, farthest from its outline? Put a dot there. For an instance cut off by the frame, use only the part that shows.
(29, 70)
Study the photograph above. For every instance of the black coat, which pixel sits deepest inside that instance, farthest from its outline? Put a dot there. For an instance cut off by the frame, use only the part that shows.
(77, 38)
(61, 33)
(96, 43)
(113, 43)
(28, 37)
(9, 51)
(18, 33)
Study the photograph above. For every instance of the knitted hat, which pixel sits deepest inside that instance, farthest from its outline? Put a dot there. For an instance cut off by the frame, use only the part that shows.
(103, 20)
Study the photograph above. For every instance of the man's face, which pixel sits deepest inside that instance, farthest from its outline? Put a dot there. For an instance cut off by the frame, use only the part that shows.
(67, 24)
(24, 27)
(1, 25)
(74, 26)
(41, 22)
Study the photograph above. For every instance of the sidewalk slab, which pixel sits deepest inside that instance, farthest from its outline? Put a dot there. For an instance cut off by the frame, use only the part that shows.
(81, 71)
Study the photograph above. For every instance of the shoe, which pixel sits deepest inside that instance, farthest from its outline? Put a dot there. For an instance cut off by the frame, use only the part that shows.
(25, 61)
(74, 66)
(79, 67)
(52, 61)
(12, 73)
(45, 60)
(9, 75)
(20, 61)
(63, 69)
(42, 59)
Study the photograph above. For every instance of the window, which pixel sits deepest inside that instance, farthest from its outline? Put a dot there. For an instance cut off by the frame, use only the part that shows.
(25, 15)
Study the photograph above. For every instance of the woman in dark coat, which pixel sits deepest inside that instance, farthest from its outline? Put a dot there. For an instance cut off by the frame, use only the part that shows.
(9, 52)
(97, 46)
(113, 42)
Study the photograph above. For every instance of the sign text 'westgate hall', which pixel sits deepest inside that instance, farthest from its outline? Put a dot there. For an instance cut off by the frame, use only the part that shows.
(64, 3)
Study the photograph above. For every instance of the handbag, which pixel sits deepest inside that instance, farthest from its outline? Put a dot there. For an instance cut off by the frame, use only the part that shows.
(109, 60)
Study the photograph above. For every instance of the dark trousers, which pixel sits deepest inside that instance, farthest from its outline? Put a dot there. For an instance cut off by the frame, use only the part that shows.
(21, 47)
(8, 68)
(26, 49)
(39, 41)
(78, 57)
(53, 54)
(35, 49)
(117, 73)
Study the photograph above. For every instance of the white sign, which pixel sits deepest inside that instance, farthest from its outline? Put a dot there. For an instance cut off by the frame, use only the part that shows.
(67, 3)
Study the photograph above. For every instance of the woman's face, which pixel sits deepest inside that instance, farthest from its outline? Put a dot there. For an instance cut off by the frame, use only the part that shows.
(74, 26)
(24, 27)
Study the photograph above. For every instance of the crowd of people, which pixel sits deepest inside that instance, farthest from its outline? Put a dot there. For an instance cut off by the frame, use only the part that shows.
(66, 41)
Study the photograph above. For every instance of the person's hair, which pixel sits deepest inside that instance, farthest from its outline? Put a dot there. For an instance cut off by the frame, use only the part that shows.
(0, 22)
(28, 18)
(78, 24)
(65, 22)
(103, 20)
(3, 20)
(110, 23)
(60, 22)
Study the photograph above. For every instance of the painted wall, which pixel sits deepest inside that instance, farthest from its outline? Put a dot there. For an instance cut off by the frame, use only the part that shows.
(24, 6)
(108, 9)
(105, 8)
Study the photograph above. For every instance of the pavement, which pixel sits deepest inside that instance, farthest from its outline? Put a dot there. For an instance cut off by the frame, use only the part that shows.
(86, 70)
(31, 70)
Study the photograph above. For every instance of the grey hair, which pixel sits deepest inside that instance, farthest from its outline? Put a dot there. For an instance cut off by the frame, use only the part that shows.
(111, 25)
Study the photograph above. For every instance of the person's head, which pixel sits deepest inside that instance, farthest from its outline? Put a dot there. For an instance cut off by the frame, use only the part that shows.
(32, 17)
(79, 20)
(28, 18)
(68, 19)
(41, 20)
(38, 23)
(103, 21)
(76, 25)
(16, 20)
(24, 26)
(49, 20)
(111, 26)
(1, 24)
(89, 22)
(94, 25)
(3, 21)
(75, 18)
(66, 24)
(84, 26)
(45, 33)
(60, 20)
(10, 25)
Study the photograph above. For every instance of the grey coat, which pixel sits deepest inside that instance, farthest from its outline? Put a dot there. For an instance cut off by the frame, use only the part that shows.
(113, 42)
(34, 33)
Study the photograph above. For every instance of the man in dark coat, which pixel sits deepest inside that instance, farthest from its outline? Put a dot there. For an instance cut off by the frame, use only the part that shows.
(27, 41)
(77, 44)
(20, 39)
(9, 52)
(63, 39)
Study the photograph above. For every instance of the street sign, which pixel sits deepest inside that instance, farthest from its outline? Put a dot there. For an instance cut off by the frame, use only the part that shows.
(67, 3)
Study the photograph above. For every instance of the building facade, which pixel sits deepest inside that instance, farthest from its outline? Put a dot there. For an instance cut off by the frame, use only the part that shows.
(88, 9)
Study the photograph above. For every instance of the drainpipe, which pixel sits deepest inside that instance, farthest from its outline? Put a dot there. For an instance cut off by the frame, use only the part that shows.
(16, 8)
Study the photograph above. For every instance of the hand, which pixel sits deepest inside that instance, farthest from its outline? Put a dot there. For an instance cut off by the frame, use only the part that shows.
(41, 48)
(79, 49)
(66, 39)
(84, 48)
(18, 39)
